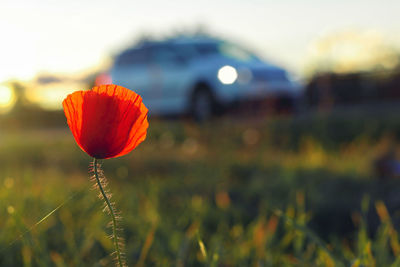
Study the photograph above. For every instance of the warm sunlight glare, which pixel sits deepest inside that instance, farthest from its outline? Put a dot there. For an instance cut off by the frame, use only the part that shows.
(7, 98)
(352, 51)
(50, 96)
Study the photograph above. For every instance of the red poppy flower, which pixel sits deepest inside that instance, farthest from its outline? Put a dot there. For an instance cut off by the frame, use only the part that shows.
(108, 121)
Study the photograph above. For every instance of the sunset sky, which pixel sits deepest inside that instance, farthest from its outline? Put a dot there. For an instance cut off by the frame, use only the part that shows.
(77, 36)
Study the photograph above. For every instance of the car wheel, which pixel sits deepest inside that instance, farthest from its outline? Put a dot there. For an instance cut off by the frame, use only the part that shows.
(202, 105)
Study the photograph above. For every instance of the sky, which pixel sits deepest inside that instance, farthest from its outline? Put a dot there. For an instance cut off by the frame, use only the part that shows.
(81, 36)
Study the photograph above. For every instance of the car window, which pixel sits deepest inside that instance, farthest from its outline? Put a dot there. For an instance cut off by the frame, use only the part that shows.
(165, 54)
(132, 57)
(225, 49)
(185, 51)
(205, 49)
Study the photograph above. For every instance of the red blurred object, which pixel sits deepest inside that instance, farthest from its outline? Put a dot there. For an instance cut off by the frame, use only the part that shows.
(103, 78)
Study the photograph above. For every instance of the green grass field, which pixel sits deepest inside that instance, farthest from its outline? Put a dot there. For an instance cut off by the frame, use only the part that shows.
(231, 192)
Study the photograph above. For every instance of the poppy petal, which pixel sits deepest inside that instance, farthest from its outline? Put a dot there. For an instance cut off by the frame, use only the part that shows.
(107, 121)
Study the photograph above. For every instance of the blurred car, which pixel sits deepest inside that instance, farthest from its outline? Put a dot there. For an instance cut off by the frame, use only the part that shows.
(199, 75)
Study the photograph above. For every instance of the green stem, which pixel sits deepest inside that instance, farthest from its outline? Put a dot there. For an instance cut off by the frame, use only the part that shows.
(114, 221)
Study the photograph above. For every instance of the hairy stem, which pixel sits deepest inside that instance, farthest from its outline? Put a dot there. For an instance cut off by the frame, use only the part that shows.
(111, 209)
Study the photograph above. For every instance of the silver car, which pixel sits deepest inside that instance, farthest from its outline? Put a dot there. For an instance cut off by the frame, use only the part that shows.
(199, 75)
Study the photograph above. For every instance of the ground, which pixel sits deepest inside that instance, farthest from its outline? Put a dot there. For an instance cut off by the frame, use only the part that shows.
(230, 192)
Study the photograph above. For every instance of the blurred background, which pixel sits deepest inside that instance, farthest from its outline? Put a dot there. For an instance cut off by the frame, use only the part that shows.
(273, 140)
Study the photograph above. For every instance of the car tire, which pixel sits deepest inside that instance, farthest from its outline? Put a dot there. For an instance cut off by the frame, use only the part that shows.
(285, 105)
(203, 105)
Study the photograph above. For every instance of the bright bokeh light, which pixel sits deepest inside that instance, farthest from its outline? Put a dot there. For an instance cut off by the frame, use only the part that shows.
(7, 98)
(227, 74)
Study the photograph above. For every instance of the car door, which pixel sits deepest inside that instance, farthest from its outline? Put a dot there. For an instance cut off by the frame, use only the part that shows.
(132, 70)
(169, 74)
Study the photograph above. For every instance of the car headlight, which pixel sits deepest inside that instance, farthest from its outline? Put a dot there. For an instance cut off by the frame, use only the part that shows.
(227, 74)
